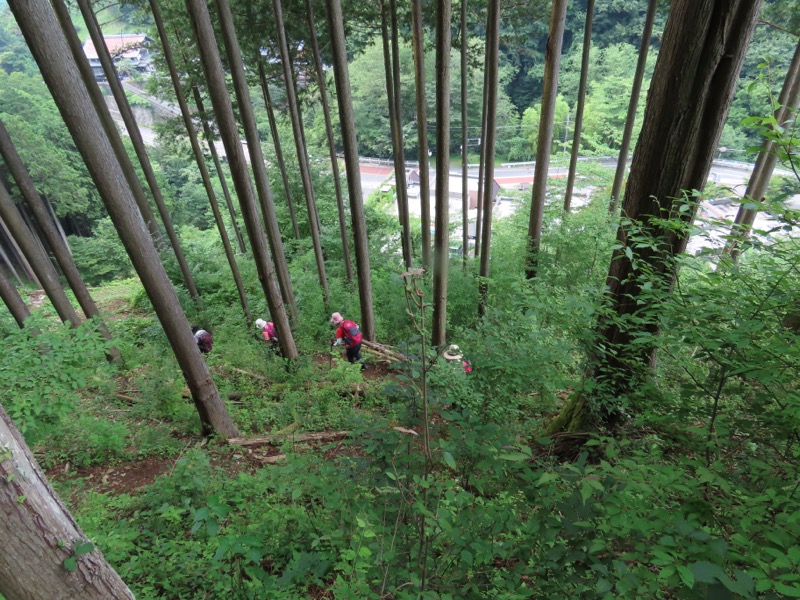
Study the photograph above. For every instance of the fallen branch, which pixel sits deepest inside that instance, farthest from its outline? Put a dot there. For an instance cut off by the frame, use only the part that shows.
(274, 440)
(384, 351)
(270, 460)
(243, 372)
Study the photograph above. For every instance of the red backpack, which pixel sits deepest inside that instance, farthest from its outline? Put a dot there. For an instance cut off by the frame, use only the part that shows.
(352, 334)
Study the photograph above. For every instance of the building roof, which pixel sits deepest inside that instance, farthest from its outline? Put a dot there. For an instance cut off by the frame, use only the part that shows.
(118, 44)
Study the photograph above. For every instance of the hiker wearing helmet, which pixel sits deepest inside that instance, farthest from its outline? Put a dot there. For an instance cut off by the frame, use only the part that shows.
(453, 353)
(349, 332)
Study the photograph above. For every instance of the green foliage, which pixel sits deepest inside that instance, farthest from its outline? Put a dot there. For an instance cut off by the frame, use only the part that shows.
(45, 366)
(102, 257)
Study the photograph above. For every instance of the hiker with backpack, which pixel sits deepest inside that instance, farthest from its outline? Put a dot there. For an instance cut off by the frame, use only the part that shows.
(349, 332)
(267, 329)
(203, 339)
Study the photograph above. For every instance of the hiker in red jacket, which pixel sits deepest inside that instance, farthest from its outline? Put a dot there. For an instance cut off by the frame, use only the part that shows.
(350, 333)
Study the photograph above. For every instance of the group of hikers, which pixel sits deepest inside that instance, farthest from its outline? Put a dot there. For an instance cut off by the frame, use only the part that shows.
(346, 332)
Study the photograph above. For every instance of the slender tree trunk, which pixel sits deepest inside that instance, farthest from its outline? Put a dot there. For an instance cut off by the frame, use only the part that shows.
(24, 265)
(695, 77)
(37, 258)
(492, 62)
(350, 145)
(62, 76)
(464, 141)
(7, 260)
(51, 234)
(397, 148)
(482, 161)
(57, 222)
(551, 67)
(39, 534)
(248, 120)
(767, 159)
(107, 122)
(422, 131)
(220, 99)
(300, 147)
(622, 161)
(200, 158)
(348, 266)
(401, 185)
(212, 148)
(276, 143)
(136, 139)
(13, 301)
(441, 248)
(576, 135)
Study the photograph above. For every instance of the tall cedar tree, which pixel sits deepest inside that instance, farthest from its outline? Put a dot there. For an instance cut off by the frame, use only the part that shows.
(51, 234)
(337, 183)
(13, 301)
(692, 88)
(199, 158)
(552, 64)
(491, 80)
(392, 89)
(300, 148)
(581, 103)
(35, 530)
(37, 257)
(220, 99)
(248, 122)
(441, 245)
(61, 73)
(350, 145)
(422, 131)
(767, 159)
(136, 139)
(641, 63)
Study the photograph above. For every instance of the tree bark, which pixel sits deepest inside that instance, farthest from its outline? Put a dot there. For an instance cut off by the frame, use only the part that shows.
(136, 139)
(215, 77)
(61, 73)
(492, 62)
(200, 159)
(51, 234)
(39, 534)
(767, 159)
(300, 148)
(276, 143)
(464, 140)
(482, 160)
(401, 185)
(622, 161)
(350, 145)
(693, 84)
(441, 255)
(318, 68)
(552, 65)
(212, 148)
(397, 148)
(422, 131)
(38, 259)
(576, 135)
(260, 176)
(13, 301)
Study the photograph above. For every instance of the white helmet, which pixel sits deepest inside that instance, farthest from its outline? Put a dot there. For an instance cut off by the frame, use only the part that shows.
(261, 323)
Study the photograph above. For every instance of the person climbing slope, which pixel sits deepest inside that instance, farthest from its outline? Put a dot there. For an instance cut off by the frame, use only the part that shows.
(267, 329)
(203, 339)
(349, 332)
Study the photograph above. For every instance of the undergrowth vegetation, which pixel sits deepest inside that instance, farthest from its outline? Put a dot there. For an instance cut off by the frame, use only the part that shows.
(447, 486)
